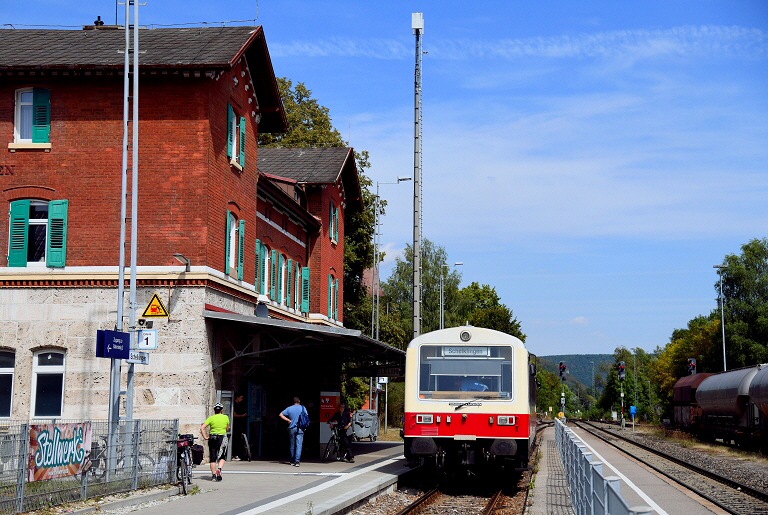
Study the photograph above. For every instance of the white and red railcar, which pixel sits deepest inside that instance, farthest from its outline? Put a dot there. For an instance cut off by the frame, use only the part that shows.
(470, 399)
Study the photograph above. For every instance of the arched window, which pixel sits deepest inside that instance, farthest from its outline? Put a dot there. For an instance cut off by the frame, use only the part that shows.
(7, 362)
(48, 383)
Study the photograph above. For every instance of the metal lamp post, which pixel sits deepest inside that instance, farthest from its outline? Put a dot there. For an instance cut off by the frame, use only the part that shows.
(721, 301)
(375, 272)
(442, 300)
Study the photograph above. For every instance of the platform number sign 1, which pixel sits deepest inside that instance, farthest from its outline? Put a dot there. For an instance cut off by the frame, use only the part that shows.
(147, 339)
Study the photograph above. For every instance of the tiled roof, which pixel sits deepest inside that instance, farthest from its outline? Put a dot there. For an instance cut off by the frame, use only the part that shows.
(179, 47)
(305, 165)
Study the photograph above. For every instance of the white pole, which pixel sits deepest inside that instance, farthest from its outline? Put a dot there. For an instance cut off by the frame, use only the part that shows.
(417, 25)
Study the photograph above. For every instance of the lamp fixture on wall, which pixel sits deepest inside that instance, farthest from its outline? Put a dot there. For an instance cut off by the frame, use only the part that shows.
(184, 260)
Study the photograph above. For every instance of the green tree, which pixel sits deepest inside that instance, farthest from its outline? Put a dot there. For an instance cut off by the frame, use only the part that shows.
(745, 288)
(309, 123)
(399, 288)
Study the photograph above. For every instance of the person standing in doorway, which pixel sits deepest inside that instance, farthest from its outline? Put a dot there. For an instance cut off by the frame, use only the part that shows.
(291, 415)
(217, 439)
(239, 427)
(343, 419)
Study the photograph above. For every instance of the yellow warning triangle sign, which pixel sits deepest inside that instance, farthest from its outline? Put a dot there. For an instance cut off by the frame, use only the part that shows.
(155, 308)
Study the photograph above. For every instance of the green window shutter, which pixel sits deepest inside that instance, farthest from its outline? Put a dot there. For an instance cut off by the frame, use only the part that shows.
(336, 223)
(41, 115)
(263, 270)
(330, 296)
(230, 132)
(305, 289)
(273, 275)
(280, 278)
(330, 220)
(241, 150)
(289, 284)
(336, 301)
(56, 246)
(226, 243)
(297, 281)
(240, 249)
(17, 248)
(257, 268)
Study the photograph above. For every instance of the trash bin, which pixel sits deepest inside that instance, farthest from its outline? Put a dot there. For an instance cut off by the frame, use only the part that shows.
(365, 424)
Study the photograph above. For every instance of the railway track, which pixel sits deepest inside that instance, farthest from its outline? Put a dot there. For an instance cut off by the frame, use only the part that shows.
(439, 503)
(729, 495)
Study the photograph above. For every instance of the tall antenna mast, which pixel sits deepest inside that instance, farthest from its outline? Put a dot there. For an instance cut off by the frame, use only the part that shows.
(417, 24)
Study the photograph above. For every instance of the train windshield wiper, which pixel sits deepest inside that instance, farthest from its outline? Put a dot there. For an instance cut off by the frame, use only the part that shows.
(466, 403)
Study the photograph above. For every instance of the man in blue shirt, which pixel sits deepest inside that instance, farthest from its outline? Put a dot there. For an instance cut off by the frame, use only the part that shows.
(295, 435)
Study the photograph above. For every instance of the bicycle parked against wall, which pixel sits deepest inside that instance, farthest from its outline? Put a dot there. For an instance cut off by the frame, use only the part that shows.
(98, 463)
(184, 461)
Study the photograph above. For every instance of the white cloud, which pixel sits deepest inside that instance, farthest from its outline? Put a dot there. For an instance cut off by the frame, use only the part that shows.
(633, 44)
(579, 321)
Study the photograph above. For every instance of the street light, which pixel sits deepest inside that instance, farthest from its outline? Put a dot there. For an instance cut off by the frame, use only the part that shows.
(442, 301)
(593, 379)
(721, 301)
(375, 272)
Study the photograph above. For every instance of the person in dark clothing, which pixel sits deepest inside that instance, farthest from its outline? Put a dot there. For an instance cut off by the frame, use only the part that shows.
(343, 419)
(239, 423)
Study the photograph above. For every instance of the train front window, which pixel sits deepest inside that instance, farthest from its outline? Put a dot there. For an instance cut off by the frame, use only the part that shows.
(465, 372)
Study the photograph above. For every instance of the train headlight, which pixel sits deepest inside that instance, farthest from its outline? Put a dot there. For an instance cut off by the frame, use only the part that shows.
(506, 420)
(424, 419)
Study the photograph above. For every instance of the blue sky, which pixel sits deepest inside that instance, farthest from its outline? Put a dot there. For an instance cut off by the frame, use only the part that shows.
(591, 160)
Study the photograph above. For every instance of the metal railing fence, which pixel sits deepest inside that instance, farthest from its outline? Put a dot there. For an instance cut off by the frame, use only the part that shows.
(592, 493)
(142, 454)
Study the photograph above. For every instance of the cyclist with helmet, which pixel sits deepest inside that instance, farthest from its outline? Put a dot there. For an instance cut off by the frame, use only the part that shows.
(217, 439)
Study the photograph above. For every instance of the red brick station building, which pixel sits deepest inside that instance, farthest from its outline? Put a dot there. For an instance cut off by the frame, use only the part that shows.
(256, 308)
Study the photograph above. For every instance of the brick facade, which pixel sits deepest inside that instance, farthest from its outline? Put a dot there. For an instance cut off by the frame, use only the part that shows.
(187, 184)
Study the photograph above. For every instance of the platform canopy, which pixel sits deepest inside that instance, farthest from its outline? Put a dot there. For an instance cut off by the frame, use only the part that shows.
(371, 357)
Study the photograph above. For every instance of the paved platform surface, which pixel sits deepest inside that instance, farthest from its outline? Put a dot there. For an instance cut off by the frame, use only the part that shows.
(642, 486)
(277, 488)
(551, 495)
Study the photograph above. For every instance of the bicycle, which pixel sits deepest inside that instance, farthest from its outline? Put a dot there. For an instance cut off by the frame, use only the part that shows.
(246, 448)
(333, 446)
(97, 465)
(184, 462)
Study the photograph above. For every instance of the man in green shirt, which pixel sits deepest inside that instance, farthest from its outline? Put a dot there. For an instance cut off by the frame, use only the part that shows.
(217, 439)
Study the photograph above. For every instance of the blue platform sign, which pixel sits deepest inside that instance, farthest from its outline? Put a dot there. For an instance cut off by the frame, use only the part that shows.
(633, 410)
(113, 344)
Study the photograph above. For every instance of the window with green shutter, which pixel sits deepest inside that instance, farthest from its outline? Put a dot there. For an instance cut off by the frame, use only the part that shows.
(56, 251)
(257, 267)
(330, 296)
(32, 117)
(289, 284)
(227, 241)
(280, 279)
(240, 249)
(336, 300)
(38, 233)
(235, 138)
(263, 270)
(241, 152)
(305, 289)
(273, 275)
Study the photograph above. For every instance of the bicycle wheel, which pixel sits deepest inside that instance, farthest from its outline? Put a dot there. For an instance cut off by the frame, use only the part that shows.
(182, 471)
(246, 448)
(188, 459)
(330, 447)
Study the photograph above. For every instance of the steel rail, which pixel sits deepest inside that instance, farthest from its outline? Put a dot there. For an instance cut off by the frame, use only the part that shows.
(735, 486)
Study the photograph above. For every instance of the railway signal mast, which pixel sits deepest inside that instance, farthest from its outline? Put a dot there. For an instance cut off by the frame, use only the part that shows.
(417, 24)
(563, 372)
(622, 376)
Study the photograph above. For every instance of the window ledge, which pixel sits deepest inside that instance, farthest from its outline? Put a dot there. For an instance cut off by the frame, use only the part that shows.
(13, 147)
(235, 164)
